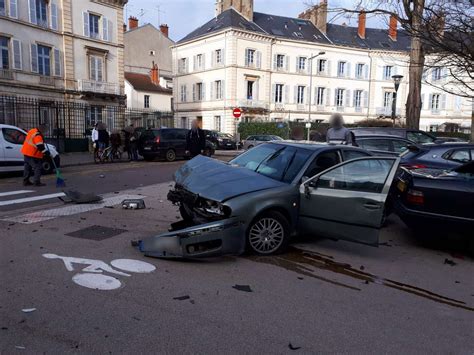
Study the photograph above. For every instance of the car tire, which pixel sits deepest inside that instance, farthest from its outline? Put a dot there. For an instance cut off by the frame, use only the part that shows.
(268, 234)
(47, 166)
(249, 147)
(170, 155)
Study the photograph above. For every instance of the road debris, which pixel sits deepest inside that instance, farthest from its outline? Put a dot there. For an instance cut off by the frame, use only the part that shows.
(449, 262)
(20, 347)
(133, 204)
(244, 288)
(291, 347)
(182, 298)
(28, 310)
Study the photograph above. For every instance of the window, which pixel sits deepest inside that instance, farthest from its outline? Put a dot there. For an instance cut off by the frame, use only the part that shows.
(323, 161)
(42, 13)
(95, 115)
(400, 146)
(279, 93)
(280, 61)
(13, 136)
(340, 97)
(420, 137)
(387, 72)
(363, 176)
(183, 65)
(183, 93)
(44, 60)
(146, 101)
(250, 89)
(250, 57)
(322, 65)
(96, 65)
(302, 64)
(375, 144)
(199, 91)
(437, 74)
(217, 123)
(387, 99)
(94, 21)
(354, 154)
(320, 96)
(461, 156)
(300, 95)
(184, 122)
(4, 53)
(341, 69)
(3, 10)
(435, 102)
(199, 61)
(360, 70)
(218, 56)
(218, 88)
(358, 98)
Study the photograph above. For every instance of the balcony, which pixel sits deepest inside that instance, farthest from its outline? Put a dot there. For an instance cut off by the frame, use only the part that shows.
(99, 87)
(6, 74)
(254, 104)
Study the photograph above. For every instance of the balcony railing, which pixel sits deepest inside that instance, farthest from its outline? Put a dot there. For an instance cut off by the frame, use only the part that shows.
(254, 104)
(386, 111)
(6, 74)
(99, 87)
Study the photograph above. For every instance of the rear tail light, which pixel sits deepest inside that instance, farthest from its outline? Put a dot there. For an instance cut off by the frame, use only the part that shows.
(157, 140)
(415, 197)
(414, 166)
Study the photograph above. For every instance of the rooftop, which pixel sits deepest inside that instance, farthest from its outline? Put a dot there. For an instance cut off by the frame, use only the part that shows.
(142, 82)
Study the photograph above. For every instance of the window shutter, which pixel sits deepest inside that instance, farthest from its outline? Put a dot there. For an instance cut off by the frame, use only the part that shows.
(194, 92)
(100, 66)
(296, 94)
(34, 58)
(203, 91)
(85, 18)
(195, 62)
(328, 68)
(17, 60)
(287, 94)
(306, 95)
(366, 71)
(247, 57)
(335, 96)
(213, 84)
(13, 9)
(348, 70)
(273, 92)
(274, 62)
(354, 95)
(328, 96)
(222, 89)
(366, 98)
(287, 62)
(443, 102)
(430, 99)
(423, 103)
(297, 66)
(54, 16)
(259, 59)
(444, 73)
(111, 30)
(222, 56)
(57, 62)
(256, 90)
(457, 103)
(213, 59)
(105, 29)
(347, 94)
(32, 11)
(92, 68)
(203, 66)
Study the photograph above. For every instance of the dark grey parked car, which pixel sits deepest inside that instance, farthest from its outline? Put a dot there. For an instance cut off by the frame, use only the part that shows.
(261, 198)
(413, 135)
(384, 145)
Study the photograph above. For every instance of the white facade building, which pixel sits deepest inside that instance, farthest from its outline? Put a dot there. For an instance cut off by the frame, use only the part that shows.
(261, 63)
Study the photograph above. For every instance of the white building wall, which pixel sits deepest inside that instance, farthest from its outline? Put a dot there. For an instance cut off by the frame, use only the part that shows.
(136, 99)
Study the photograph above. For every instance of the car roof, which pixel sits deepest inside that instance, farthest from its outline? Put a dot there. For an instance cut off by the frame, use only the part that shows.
(314, 146)
(381, 136)
(449, 145)
(8, 126)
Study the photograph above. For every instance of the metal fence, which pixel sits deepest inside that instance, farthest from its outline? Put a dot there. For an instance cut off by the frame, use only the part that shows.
(69, 124)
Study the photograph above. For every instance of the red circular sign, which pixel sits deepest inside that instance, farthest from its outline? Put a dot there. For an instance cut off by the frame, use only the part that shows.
(237, 113)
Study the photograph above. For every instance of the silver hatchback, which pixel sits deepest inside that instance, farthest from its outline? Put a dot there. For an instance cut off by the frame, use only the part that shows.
(253, 141)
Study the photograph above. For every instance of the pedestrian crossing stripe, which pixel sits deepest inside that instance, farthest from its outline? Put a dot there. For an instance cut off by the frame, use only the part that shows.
(31, 199)
(11, 193)
(45, 215)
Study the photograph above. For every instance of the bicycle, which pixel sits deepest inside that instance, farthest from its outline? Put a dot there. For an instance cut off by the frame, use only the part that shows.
(110, 154)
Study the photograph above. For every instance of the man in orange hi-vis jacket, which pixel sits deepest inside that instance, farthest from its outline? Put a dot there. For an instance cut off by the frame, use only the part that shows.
(34, 150)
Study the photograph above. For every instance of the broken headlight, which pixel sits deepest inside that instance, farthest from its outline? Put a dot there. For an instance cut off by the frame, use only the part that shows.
(213, 207)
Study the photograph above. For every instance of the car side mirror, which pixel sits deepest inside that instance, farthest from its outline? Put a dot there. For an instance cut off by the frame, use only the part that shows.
(313, 183)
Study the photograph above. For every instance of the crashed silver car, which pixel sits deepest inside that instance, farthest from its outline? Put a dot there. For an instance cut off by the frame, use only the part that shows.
(262, 198)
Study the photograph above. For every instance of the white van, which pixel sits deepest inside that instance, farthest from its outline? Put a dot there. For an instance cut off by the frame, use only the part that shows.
(11, 159)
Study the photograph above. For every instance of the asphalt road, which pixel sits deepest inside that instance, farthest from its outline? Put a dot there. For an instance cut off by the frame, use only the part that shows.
(322, 296)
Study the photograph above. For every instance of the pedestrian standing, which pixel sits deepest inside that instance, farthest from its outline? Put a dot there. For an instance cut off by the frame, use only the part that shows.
(195, 140)
(134, 145)
(338, 133)
(103, 137)
(34, 149)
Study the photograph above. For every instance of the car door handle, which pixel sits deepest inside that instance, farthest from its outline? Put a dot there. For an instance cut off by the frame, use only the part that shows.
(372, 206)
(8, 147)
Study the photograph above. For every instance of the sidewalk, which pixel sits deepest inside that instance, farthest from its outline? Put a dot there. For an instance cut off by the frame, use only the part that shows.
(86, 158)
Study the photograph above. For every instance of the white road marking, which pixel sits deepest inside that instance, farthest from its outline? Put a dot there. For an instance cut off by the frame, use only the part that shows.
(11, 193)
(45, 215)
(131, 265)
(97, 281)
(31, 199)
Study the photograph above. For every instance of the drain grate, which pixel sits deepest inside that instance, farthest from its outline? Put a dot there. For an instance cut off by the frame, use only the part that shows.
(97, 233)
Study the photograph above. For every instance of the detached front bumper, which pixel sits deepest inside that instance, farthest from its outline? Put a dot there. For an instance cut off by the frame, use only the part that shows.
(202, 241)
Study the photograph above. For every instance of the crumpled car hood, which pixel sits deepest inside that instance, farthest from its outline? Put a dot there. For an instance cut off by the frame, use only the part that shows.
(218, 181)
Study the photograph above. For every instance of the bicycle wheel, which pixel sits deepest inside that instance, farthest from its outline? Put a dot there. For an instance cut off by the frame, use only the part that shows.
(97, 158)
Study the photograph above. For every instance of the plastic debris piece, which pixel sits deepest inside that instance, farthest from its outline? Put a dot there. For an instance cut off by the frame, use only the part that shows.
(182, 298)
(20, 347)
(291, 347)
(133, 204)
(28, 310)
(102, 176)
(449, 262)
(244, 288)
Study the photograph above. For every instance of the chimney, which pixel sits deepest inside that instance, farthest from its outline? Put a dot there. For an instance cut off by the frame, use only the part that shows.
(132, 23)
(318, 15)
(361, 29)
(164, 29)
(155, 74)
(392, 30)
(245, 7)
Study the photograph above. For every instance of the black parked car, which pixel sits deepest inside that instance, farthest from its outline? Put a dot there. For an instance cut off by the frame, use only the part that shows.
(434, 199)
(167, 143)
(221, 140)
(383, 144)
(438, 156)
(413, 135)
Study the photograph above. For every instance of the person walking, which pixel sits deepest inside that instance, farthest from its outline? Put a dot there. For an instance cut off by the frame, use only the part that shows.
(195, 140)
(34, 149)
(95, 139)
(338, 133)
(134, 145)
(103, 137)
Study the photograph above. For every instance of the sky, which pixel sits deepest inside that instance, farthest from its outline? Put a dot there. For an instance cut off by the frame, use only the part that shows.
(184, 16)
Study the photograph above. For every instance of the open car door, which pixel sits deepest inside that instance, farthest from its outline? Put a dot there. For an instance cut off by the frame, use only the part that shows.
(347, 201)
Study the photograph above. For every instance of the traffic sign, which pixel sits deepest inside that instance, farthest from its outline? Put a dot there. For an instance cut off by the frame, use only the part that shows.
(237, 112)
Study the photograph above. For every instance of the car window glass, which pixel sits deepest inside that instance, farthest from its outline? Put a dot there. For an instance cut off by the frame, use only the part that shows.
(13, 136)
(353, 154)
(460, 155)
(323, 161)
(181, 134)
(419, 137)
(375, 144)
(362, 175)
(253, 157)
(275, 166)
(400, 146)
(168, 134)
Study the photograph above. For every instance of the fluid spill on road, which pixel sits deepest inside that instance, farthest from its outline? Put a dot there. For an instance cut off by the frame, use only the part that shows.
(305, 262)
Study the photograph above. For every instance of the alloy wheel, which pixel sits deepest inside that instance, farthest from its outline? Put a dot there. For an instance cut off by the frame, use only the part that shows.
(266, 235)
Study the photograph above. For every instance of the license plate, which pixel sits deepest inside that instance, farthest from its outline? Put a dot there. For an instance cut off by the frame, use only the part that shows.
(401, 185)
(229, 144)
(146, 148)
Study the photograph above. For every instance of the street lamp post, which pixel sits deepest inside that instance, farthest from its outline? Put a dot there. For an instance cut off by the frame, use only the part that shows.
(397, 79)
(311, 86)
